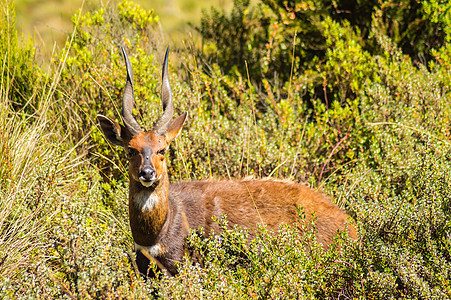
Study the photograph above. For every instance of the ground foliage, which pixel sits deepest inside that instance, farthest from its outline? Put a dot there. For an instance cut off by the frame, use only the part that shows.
(353, 98)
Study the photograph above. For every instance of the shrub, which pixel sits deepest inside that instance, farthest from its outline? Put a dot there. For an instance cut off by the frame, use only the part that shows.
(279, 38)
(285, 265)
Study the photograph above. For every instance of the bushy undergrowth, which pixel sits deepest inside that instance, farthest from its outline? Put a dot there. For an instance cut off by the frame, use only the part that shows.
(289, 264)
(352, 110)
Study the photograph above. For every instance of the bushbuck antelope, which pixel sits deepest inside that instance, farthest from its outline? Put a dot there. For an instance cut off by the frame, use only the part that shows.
(162, 214)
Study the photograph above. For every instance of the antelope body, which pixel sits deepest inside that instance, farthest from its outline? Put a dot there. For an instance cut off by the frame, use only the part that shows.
(162, 214)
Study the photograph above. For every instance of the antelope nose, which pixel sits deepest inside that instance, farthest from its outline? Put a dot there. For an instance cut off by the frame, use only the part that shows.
(147, 174)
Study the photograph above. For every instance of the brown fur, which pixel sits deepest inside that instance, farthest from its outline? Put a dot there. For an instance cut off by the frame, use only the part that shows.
(248, 202)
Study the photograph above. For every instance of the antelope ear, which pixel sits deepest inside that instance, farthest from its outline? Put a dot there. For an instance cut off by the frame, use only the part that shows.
(175, 127)
(113, 131)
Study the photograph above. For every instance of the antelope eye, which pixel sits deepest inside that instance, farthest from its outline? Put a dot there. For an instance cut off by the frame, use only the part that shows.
(131, 152)
(162, 151)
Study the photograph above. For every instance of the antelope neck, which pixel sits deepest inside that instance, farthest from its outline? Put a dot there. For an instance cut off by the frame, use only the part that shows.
(149, 211)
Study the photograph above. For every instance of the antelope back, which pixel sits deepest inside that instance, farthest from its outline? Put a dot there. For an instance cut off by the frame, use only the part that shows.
(266, 201)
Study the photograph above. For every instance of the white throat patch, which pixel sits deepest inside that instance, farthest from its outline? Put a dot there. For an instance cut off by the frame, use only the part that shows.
(145, 200)
(154, 250)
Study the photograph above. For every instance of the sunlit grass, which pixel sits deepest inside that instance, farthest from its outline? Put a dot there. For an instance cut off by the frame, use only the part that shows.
(37, 170)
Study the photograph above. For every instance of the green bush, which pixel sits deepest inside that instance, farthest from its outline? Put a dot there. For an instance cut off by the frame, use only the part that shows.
(285, 265)
(277, 39)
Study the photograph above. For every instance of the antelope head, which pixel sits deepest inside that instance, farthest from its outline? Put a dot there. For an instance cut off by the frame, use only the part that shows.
(146, 149)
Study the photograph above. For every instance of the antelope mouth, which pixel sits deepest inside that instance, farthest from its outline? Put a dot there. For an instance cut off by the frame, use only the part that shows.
(149, 183)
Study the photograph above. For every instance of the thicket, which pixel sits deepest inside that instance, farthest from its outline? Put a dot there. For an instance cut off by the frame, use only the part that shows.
(351, 97)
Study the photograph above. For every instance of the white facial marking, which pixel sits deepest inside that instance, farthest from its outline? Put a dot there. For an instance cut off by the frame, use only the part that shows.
(154, 250)
(145, 201)
(146, 183)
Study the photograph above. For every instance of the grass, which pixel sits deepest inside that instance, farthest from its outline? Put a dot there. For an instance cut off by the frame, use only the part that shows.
(38, 169)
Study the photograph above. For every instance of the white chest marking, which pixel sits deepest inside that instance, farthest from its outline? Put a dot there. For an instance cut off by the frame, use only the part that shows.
(154, 250)
(146, 201)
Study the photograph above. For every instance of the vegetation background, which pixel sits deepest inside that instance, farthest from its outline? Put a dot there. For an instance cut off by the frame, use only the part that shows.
(350, 97)
(50, 23)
